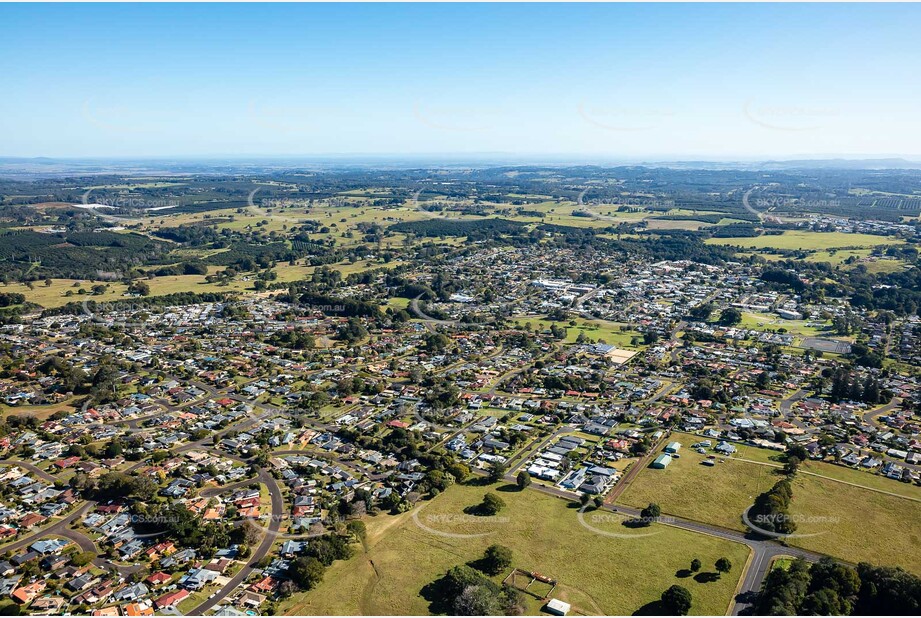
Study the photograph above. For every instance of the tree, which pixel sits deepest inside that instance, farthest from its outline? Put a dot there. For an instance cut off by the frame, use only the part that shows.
(491, 504)
(695, 565)
(584, 499)
(797, 450)
(250, 533)
(676, 601)
(701, 313)
(286, 589)
(458, 470)
(306, 572)
(358, 529)
(476, 601)
(496, 559)
(825, 602)
(523, 479)
(83, 558)
(651, 513)
(723, 565)
(730, 317)
(497, 471)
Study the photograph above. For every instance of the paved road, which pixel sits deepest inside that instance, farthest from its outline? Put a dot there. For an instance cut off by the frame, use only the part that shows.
(870, 416)
(429, 320)
(62, 529)
(278, 508)
(787, 404)
(56, 529)
(30, 467)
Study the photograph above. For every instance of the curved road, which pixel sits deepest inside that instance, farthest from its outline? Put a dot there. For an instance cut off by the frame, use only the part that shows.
(275, 517)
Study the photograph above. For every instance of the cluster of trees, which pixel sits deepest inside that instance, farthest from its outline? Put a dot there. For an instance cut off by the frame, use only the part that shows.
(352, 331)
(898, 292)
(347, 307)
(8, 299)
(466, 591)
(701, 313)
(185, 268)
(827, 588)
(864, 356)
(179, 523)
(175, 299)
(770, 511)
(473, 230)
(32, 256)
(847, 386)
(293, 339)
(783, 277)
(730, 317)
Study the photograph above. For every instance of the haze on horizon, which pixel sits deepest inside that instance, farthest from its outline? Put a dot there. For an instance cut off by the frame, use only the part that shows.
(624, 81)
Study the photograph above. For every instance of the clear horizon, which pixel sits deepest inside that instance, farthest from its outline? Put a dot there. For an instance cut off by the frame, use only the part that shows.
(625, 82)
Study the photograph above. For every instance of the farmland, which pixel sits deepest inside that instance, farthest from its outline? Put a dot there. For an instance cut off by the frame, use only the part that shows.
(806, 240)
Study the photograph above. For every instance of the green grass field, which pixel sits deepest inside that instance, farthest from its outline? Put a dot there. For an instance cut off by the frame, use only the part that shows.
(803, 239)
(597, 574)
(842, 506)
(711, 494)
(855, 524)
(597, 330)
(39, 412)
(769, 321)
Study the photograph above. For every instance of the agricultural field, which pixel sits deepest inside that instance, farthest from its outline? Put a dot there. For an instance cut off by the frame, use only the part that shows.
(801, 239)
(544, 534)
(54, 295)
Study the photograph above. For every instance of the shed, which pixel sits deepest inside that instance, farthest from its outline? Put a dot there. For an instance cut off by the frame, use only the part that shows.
(557, 607)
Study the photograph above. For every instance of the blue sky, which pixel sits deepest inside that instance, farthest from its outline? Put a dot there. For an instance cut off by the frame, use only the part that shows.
(622, 80)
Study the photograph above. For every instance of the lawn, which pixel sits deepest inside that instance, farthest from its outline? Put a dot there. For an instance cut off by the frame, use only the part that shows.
(597, 574)
(715, 495)
(803, 239)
